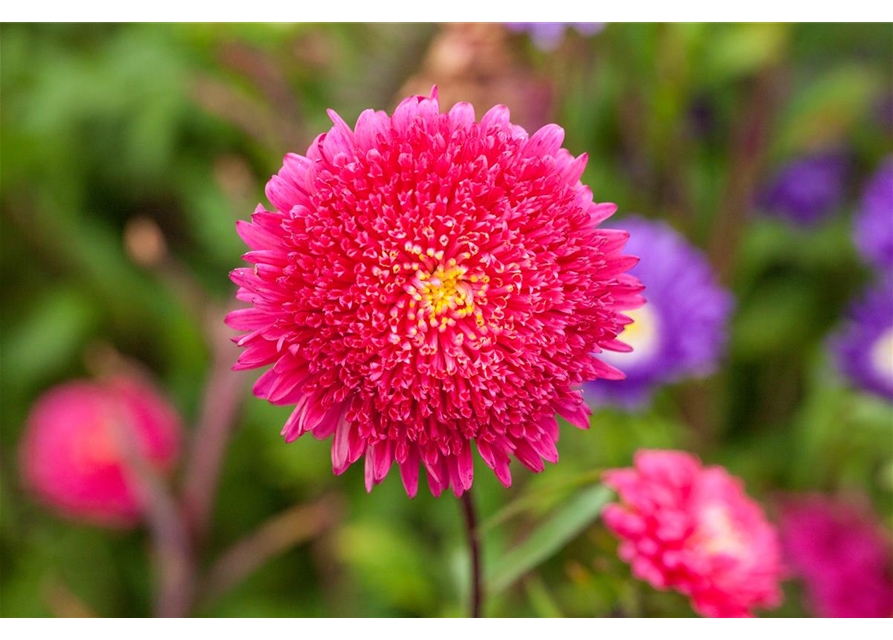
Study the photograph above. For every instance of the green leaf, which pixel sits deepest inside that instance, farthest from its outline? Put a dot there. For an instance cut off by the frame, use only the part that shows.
(552, 535)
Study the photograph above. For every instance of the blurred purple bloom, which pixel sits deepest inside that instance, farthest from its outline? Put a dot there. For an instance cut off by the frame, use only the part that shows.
(548, 35)
(681, 330)
(864, 346)
(807, 189)
(874, 222)
(841, 554)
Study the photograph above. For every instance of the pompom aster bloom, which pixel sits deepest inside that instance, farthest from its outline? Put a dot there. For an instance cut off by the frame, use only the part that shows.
(807, 189)
(682, 330)
(874, 222)
(843, 556)
(864, 345)
(428, 281)
(693, 529)
(71, 455)
(548, 35)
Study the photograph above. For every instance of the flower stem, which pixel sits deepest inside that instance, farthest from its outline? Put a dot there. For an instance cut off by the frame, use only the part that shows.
(474, 547)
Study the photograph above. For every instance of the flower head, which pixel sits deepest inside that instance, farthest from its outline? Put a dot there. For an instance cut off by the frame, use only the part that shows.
(428, 281)
(874, 222)
(842, 555)
(691, 528)
(682, 330)
(807, 189)
(548, 35)
(72, 454)
(864, 345)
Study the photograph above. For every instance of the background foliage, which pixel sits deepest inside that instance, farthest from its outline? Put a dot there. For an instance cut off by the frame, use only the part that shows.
(129, 151)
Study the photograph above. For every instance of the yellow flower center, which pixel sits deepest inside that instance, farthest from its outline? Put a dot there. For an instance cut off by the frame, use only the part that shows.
(447, 294)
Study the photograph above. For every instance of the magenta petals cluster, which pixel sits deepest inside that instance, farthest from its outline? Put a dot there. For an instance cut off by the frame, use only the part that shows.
(693, 529)
(428, 282)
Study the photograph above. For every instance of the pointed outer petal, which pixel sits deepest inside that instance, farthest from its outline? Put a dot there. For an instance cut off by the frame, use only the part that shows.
(604, 371)
(461, 115)
(247, 319)
(340, 124)
(286, 383)
(438, 477)
(257, 354)
(327, 425)
(409, 472)
(295, 167)
(549, 426)
(256, 237)
(545, 142)
(369, 126)
(613, 239)
(618, 264)
(282, 193)
(576, 412)
(382, 459)
(461, 470)
(369, 470)
(598, 213)
(429, 110)
(406, 112)
(264, 382)
(341, 445)
(293, 428)
(573, 170)
(310, 414)
(518, 132)
(616, 345)
(433, 94)
(497, 116)
(528, 456)
(545, 447)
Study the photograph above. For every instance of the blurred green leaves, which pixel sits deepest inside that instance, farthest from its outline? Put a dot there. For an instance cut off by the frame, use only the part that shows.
(567, 522)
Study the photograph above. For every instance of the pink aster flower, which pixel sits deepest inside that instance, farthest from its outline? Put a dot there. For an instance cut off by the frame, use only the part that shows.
(692, 529)
(71, 455)
(426, 281)
(843, 555)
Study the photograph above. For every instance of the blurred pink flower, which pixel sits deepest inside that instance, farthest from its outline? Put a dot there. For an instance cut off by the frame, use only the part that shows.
(843, 556)
(428, 281)
(71, 455)
(693, 529)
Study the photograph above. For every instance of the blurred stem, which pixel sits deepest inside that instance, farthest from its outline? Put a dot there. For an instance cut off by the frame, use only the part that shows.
(220, 403)
(474, 548)
(170, 536)
(750, 143)
(274, 537)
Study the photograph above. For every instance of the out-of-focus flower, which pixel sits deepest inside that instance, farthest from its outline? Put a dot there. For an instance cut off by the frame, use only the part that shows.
(693, 529)
(73, 456)
(864, 345)
(548, 35)
(807, 189)
(842, 555)
(475, 62)
(428, 281)
(681, 332)
(874, 223)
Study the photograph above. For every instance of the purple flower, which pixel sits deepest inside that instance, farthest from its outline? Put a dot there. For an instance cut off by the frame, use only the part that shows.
(548, 35)
(807, 189)
(681, 330)
(874, 222)
(864, 346)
